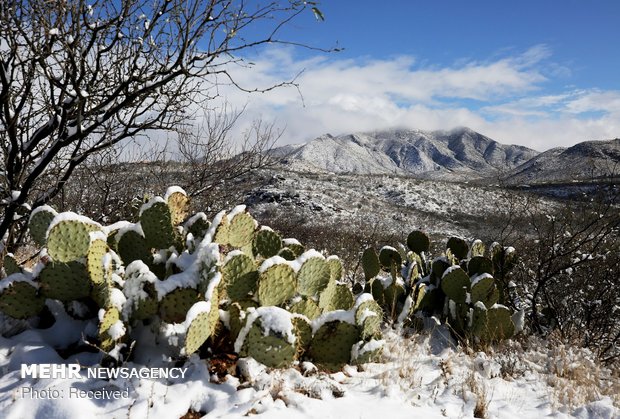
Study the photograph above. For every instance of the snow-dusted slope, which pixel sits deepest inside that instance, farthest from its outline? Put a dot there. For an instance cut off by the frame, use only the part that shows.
(437, 154)
(584, 161)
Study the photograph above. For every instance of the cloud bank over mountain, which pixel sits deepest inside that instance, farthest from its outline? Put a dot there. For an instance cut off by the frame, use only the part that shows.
(512, 97)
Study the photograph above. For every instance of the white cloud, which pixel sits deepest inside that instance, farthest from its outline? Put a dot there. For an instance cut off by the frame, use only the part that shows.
(503, 98)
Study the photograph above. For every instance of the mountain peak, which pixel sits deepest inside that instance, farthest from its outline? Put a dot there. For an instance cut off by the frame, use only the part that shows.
(455, 154)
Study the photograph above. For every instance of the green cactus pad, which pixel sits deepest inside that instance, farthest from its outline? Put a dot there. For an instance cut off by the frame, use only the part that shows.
(367, 305)
(367, 352)
(370, 263)
(332, 343)
(39, 223)
(110, 317)
(198, 226)
(65, 281)
(235, 320)
(335, 268)
(221, 232)
(389, 256)
(267, 243)
(499, 324)
(287, 254)
(237, 315)
(276, 285)
(174, 306)
(295, 246)
(307, 308)
(455, 284)
(313, 276)
(20, 300)
(368, 317)
(145, 309)
(239, 276)
(376, 289)
(267, 347)
(178, 202)
(418, 242)
(132, 246)
(479, 265)
(10, 265)
(199, 329)
(69, 240)
(336, 297)
(241, 230)
(418, 296)
(156, 222)
(438, 267)
(417, 268)
(478, 320)
(95, 259)
(458, 247)
(483, 289)
(392, 296)
(303, 334)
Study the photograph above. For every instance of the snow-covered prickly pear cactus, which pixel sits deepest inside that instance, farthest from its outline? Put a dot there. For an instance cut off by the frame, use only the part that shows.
(280, 302)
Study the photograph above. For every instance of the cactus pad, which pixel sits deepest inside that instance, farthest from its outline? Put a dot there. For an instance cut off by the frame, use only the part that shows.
(110, 317)
(10, 265)
(276, 285)
(241, 230)
(455, 284)
(287, 254)
(307, 308)
(458, 247)
(65, 281)
(178, 202)
(174, 306)
(388, 257)
(267, 243)
(198, 331)
(313, 276)
(69, 240)
(335, 268)
(20, 300)
(332, 343)
(132, 246)
(156, 222)
(239, 276)
(336, 297)
(479, 265)
(370, 263)
(268, 347)
(483, 289)
(39, 223)
(418, 242)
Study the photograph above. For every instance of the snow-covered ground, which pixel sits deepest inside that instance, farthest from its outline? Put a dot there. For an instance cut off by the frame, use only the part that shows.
(423, 375)
(395, 202)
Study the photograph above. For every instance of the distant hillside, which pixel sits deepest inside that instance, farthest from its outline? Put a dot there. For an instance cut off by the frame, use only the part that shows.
(457, 154)
(584, 161)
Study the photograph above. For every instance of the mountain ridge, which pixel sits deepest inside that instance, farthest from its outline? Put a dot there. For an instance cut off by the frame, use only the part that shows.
(460, 152)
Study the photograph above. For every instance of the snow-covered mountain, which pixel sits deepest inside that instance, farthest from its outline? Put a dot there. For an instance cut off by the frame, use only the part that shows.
(431, 154)
(589, 160)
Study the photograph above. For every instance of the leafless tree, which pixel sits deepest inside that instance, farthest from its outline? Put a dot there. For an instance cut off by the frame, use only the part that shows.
(77, 77)
(216, 161)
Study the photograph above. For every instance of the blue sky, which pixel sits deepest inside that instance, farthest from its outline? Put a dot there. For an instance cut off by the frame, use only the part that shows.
(538, 73)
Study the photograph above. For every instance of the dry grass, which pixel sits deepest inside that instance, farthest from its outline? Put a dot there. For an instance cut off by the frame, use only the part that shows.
(404, 360)
(481, 409)
(577, 378)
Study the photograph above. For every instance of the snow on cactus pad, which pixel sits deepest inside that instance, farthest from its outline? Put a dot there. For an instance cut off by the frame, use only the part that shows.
(268, 336)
